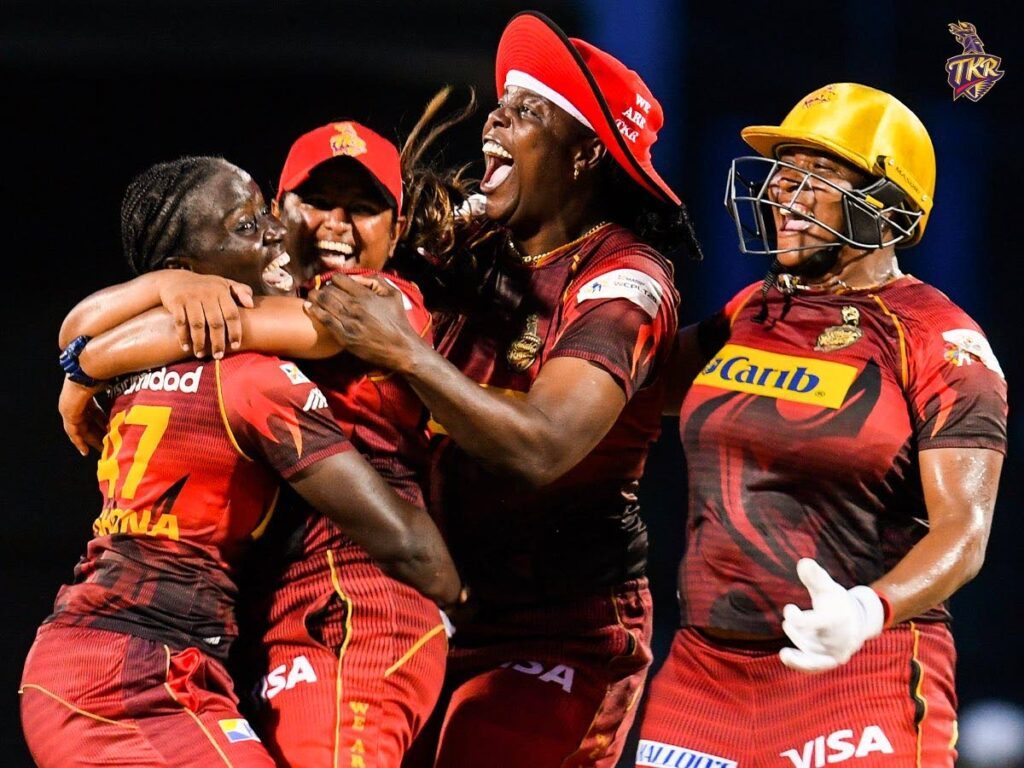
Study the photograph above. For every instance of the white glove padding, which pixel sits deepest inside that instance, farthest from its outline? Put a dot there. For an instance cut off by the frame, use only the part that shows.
(835, 627)
(473, 207)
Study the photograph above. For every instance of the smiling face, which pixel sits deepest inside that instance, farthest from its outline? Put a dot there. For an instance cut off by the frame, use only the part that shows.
(231, 233)
(812, 197)
(530, 146)
(338, 218)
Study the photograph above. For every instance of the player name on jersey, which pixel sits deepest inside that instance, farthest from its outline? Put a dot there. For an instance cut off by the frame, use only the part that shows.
(786, 377)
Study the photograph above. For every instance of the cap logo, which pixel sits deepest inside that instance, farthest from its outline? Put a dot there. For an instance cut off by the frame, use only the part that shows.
(821, 96)
(636, 114)
(346, 141)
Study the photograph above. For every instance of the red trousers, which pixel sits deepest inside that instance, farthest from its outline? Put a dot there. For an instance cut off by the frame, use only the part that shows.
(891, 706)
(544, 686)
(90, 697)
(354, 665)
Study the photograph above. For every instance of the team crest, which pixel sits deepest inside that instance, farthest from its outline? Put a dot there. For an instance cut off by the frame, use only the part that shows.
(973, 72)
(523, 351)
(837, 337)
(346, 141)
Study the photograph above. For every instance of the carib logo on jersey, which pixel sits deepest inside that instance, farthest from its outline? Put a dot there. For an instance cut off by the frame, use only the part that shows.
(823, 383)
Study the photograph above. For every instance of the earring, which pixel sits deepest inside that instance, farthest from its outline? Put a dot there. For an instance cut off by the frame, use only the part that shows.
(575, 172)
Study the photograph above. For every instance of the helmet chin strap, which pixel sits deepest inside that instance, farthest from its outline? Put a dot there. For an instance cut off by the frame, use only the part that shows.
(818, 264)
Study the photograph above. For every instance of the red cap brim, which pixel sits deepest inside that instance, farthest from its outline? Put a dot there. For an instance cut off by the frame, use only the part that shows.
(534, 44)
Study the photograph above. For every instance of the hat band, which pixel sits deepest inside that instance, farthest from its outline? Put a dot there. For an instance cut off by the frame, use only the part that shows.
(522, 80)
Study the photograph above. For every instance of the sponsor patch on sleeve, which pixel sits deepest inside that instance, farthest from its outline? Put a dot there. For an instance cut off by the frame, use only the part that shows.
(964, 346)
(237, 729)
(295, 376)
(632, 284)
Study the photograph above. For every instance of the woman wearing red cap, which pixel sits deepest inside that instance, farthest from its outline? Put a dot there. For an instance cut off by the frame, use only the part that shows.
(571, 315)
(351, 661)
(129, 669)
(844, 440)
(544, 399)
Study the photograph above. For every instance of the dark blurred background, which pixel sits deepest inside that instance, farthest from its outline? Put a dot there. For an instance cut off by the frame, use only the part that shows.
(94, 92)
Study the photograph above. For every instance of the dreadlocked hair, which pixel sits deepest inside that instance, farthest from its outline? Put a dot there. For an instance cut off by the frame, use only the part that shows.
(432, 193)
(665, 227)
(153, 210)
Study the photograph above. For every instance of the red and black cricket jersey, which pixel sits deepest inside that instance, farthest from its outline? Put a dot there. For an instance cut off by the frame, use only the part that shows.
(381, 416)
(802, 437)
(608, 300)
(189, 475)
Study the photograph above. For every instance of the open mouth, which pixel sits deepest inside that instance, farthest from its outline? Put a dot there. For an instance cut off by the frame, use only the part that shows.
(276, 276)
(336, 255)
(795, 218)
(498, 166)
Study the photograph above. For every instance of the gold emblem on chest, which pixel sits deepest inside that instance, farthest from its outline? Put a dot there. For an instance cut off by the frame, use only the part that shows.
(523, 351)
(837, 337)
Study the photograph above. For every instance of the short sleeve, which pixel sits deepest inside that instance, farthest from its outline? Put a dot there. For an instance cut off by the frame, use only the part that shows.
(621, 317)
(956, 388)
(275, 414)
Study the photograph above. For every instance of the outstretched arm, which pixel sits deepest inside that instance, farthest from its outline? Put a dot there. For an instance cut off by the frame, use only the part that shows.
(204, 308)
(400, 537)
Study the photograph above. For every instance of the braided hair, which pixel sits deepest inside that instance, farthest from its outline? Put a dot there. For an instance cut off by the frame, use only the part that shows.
(155, 208)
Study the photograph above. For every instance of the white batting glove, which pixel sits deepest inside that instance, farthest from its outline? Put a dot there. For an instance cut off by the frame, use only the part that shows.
(835, 627)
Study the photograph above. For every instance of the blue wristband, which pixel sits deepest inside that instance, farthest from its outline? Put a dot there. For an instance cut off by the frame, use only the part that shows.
(73, 369)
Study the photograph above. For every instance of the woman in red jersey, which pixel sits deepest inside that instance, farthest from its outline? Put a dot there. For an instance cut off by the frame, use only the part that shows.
(568, 318)
(352, 661)
(544, 400)
(844, 438)
(128, 668)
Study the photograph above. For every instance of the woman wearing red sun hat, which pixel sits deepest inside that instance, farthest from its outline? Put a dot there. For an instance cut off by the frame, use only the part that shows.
(544, 400)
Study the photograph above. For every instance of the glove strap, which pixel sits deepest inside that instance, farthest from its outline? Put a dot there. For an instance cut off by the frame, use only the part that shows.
(69, 362)
(874, 610)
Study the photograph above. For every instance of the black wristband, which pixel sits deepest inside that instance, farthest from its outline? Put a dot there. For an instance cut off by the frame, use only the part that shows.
(71, 366)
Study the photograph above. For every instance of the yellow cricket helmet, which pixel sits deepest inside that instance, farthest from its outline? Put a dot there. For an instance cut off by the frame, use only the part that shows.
(874, 131)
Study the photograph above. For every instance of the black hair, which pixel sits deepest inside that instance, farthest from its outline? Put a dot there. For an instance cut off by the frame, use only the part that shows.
(663, 226)
(153, 210)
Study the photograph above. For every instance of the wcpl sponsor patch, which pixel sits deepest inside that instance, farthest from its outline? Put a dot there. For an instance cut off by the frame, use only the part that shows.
(823, 383)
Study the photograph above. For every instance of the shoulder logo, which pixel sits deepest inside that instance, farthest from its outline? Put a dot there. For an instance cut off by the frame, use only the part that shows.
(964, 346)
(973, 72)
(785, 377)
(295, 376)
(315, 401)
(632, 284)
(837, 337)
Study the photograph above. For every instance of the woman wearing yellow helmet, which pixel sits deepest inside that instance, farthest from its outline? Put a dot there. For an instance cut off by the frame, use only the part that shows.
(844, 438)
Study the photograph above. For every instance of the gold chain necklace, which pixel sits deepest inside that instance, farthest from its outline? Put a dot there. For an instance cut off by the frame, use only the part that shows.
(534, 260)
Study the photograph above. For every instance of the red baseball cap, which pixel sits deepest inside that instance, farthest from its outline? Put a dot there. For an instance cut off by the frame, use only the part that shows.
(345, 139)
(592, 86)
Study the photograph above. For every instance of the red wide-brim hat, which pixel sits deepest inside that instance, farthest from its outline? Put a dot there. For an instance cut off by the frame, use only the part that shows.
(613, 100)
